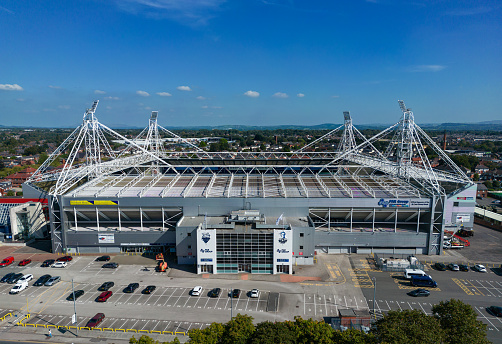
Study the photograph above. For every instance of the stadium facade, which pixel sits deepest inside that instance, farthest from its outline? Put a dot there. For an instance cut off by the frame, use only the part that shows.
(258, 212)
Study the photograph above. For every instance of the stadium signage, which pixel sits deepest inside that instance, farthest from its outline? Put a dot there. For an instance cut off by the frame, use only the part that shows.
(205, 250)
(282, 237)
(95, 202)
(394, 203)
(106, 238)
(205, 237)
(282, 250)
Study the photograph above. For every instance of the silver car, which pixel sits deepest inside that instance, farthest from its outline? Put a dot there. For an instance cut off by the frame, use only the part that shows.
(53, 280)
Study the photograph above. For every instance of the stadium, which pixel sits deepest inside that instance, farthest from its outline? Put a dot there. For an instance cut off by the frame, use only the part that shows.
(257, 212)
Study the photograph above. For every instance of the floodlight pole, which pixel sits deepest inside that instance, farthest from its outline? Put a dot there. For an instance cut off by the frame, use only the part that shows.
(74, 307)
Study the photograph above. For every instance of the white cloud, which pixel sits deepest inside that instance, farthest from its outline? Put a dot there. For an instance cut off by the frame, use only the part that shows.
(184, 88)
(20, 99)
(204, 106)
(111, 98)
(99, 92)
(143, 93)
(55, 87)
(280, 95)
(10, 87)
(217, 107)
(64, 107)
(164, 94)
(335, 96)
(252, 94)
(201, 98)
(109, 107)
(300, 95)
(148, 108)
(427, 68)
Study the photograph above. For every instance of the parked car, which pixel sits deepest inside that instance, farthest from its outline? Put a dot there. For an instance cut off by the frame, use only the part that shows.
(105, 286)
(6, 277)
(480, 268)
(236, 293)
(150, 289)
(419, 292)
(26, 278)
(440, 267)
(6, 261)
(14, 278)
(24, 262)
(196, 291)
(78, 293)
(110, 265)
(65, 259)
(59, 265)
(103, 259)
(19, 287)
(495, 310)
(104, 296)
(47, 263)
(215, 292)
(131, 288)
(453, 267)
(254, 293)
(463, 267)
(53, 280)
(42, 280)
(95, 320)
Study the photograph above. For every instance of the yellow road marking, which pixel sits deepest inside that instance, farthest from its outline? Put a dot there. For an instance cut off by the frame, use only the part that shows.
(469, 286)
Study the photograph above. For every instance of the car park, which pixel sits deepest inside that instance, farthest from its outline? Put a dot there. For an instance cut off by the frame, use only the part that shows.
(24, 262)
(236, 293)
(440, 267)
(6, 277)
(453, 267)
(105, 286)
(42, 280)
(53, 280)
(110, 265)
(19, 287)
(95, 320)
(47, 263)
(14, 278)
(65, 259)
(150, 289)
(103, 259)
(495, 310)
(196, 291)
(480, 268)
(254, 293)
(463, 267)
(104, 296)
(215, 292)
(131, 288)
(78, 293)
(423, 281)
(419, 292)
(59, 265)
(6, 261)
(26, 278)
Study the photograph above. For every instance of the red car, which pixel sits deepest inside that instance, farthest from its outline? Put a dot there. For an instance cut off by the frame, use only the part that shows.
(96, 320)
(7, 261)
(24, 262)
(65, 259)
(105, 296)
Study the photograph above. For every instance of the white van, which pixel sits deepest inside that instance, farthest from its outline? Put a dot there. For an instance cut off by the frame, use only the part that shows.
(19, 287)
(409, 273)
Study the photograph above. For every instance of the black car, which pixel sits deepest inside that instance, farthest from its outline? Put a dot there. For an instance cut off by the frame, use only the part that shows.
(495, 310)
(41, 281)
(47, 263)
(110, 265)
(463, 267)
(215, 292)
(131, 288)
(103, 259)
(6, 277)
(14, 278)
(105, 286)
(419, 292)
(150, 289)
(236, 293)
(440, 267)
(78, 293)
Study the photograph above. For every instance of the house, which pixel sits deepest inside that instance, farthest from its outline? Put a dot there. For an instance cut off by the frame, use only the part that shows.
(20, 177)
(480, 169)
(482, 190)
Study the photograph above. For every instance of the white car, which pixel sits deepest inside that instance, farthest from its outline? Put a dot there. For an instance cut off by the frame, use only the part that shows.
(196, 291)
(19, 287)
(254, 293)
(59, 265)
(480, 268)
(26, 278)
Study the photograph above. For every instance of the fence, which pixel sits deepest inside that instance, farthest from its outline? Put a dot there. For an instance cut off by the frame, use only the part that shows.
(380, 260)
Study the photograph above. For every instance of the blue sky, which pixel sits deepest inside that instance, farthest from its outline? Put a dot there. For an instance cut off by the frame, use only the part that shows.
(249, 62)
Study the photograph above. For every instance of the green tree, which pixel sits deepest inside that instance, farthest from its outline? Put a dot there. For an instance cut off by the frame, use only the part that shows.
(238, 330)
(409, 326)
(42, 158)
(271, 333)
(460, 323)
(488, 184)
(210, 335)
(203, 144)
(475, 177)
(496, 184)
(311, 331)
(144, 339)
(10, 193)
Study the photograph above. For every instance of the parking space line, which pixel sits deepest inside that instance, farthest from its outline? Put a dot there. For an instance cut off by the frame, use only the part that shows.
(484, 316)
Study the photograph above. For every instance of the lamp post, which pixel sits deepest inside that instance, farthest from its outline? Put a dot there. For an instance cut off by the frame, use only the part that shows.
(74, 307)
(374, 295)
